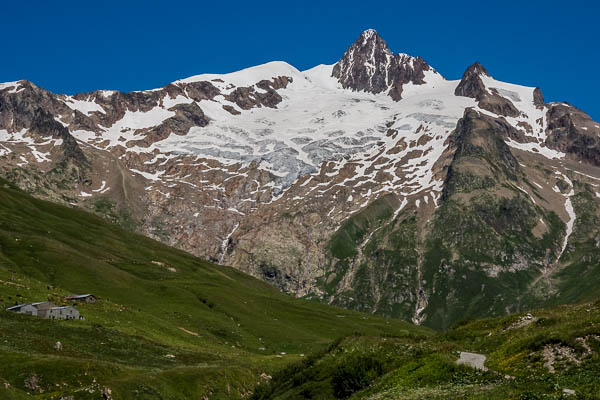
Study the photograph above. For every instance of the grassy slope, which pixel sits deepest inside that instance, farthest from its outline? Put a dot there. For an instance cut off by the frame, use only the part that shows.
(203, 330)
(425, 367)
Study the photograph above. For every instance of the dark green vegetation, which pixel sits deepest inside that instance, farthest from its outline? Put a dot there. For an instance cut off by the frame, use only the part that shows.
(580, 279)
(344, 242)
(381, 252)
(107, 209)
(167, 325)
(520, 350)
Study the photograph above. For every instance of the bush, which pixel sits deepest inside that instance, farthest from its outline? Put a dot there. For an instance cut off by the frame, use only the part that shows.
(294, 375)
(529, 396)
(546, 321)
(354, 374)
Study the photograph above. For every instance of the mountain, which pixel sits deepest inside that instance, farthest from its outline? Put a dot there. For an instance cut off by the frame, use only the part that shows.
(369, 65)
(373, 184)
(166, 324)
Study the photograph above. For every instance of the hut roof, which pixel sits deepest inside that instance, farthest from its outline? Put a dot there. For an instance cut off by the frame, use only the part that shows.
(79, 296)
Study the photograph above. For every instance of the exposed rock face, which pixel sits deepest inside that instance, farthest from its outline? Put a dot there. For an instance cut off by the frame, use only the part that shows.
(480, 136)
(44, 125)
(369, 65)
(497, 104)
(196, 91)
(32, 108)
(428, 209)
(538, 98)
(247, 97)
(365, 64)
(186, 117)
(472, 85)
(18, 107)
(572, 131)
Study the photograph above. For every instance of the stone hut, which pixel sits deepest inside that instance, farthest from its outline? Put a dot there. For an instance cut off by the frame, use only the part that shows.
(65, 312)
(32, 308)
(46, 309)
(23, 309)
(87, 298)
(41, 306)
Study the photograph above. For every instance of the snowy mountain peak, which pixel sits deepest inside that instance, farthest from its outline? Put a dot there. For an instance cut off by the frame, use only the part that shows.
(370, 39)
(500, 98)
(476, 69)
(369, 65)
(364, 64)
(471, 84)
(369, 33)
(248, 75)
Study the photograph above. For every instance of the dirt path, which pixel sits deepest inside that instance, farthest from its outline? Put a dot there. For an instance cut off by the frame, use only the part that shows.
(188, 331)
(474, 360)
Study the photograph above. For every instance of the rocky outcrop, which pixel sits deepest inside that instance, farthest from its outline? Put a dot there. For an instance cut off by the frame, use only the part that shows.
(20, 105)
(248, 97)
(478, 136)
(44, 125)
(365, 64)
(471, 85)
(572, 131)
(538, 98)
(369, 65)
(202, 90)
(498, 105)
(186, 117)
(279, 82)
(406, 69)
(31, 108)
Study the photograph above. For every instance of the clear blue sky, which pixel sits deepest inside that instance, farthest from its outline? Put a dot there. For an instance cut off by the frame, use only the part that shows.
(75, 46)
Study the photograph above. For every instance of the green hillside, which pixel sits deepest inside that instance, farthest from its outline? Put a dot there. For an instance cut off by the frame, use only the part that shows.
(167, 325)
(549, 354)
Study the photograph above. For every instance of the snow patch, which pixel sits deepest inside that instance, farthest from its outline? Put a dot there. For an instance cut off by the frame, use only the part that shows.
(570, 212)
(85, 107)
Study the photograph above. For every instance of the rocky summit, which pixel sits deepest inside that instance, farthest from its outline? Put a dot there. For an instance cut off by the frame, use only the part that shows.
(374, 184)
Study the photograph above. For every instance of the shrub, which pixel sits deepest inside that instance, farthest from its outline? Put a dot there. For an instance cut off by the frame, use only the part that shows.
(546, 321)
(354, 374)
